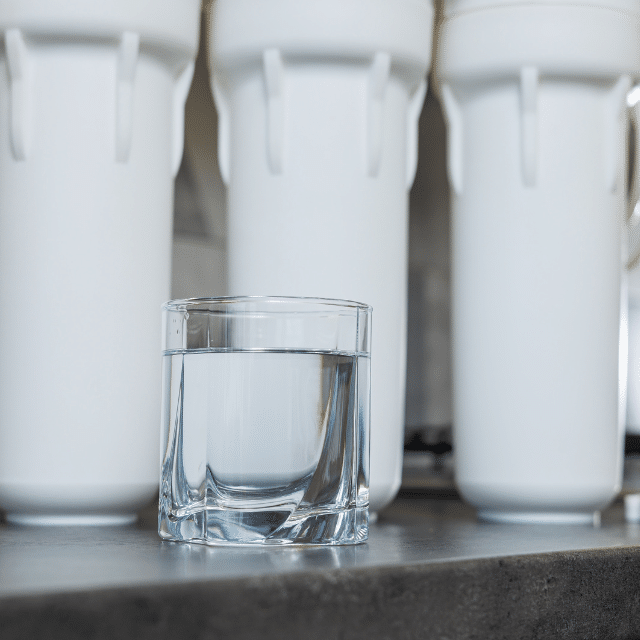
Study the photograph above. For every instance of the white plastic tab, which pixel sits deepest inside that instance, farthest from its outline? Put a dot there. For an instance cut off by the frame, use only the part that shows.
(127, 61)
(529, 82)
(20, 71)
(274, 82)
(615, 131)
(224, 131)
(453, 114)
(413, 117)
(633, 211)
(180, 93)
(378, 79)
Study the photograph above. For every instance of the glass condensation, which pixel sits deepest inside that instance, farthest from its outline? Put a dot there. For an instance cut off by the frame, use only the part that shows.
(265, 445)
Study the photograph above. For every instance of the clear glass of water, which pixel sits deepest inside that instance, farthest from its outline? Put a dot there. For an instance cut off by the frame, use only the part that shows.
(265, 421)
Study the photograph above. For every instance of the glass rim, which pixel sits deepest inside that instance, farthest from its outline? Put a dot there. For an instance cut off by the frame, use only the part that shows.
(181, 304)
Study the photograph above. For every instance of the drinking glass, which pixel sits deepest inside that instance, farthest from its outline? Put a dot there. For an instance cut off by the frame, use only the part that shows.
(265, 421)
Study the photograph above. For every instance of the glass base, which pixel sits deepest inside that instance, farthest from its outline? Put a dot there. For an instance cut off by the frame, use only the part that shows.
(233, 527)
(67, 520)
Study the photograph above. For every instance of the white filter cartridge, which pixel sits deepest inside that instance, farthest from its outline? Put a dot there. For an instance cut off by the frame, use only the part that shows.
(318, 103)
(91, 101)
(535, 98)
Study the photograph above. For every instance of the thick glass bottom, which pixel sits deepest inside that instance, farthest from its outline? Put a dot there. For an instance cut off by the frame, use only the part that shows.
(232, 527)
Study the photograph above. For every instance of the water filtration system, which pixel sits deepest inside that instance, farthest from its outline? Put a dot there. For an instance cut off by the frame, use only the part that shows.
(318, 104)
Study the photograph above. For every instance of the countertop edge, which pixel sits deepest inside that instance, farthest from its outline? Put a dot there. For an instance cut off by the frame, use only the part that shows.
(593, 593)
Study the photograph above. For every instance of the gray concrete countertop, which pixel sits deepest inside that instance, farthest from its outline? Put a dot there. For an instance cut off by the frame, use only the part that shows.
(429, 570)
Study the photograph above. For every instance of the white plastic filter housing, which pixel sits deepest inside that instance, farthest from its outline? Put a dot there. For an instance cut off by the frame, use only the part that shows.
(535, 99)
(91, 131)
(318, 104)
